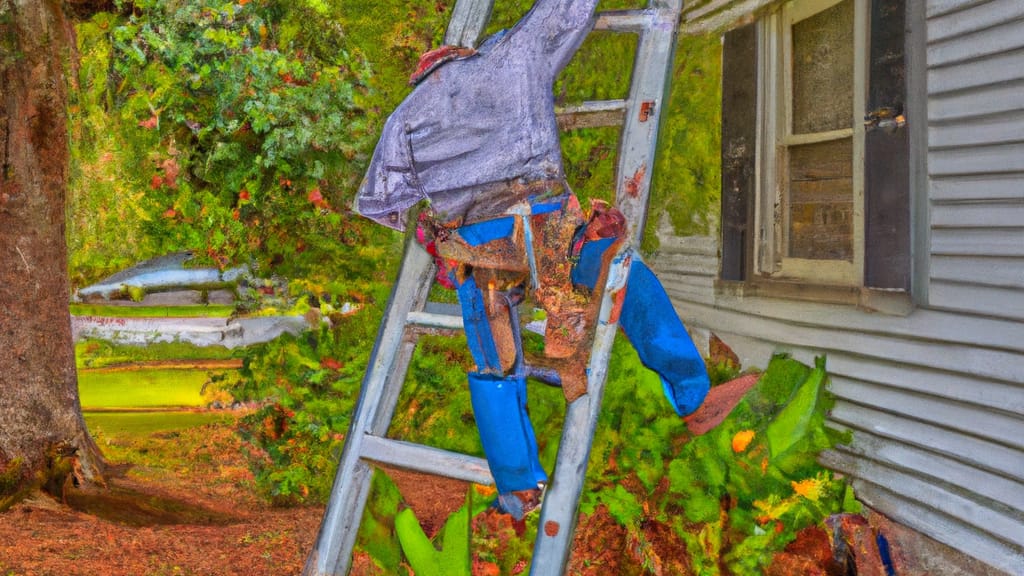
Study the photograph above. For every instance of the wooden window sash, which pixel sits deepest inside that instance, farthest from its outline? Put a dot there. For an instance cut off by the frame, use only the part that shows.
(775, 132)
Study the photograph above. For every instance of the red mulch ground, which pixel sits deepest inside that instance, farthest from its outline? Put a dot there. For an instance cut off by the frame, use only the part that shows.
(204, 468)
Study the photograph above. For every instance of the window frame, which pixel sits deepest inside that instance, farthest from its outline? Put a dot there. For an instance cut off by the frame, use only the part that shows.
(774, 139)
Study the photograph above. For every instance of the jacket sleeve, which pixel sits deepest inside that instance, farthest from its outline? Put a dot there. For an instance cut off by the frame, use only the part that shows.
(391, 185)
(551, 32)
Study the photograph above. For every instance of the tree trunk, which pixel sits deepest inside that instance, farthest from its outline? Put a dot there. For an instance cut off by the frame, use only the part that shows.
(40, 414)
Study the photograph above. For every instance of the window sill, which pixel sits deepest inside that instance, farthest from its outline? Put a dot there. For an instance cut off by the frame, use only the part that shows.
(890, 302)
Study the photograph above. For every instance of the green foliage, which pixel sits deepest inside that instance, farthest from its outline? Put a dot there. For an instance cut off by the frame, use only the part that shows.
(752, 497)
(377, 536)
(686, 185)
(793, 422)
(11, 477)
(733, 505)
(234, 130)
(426, 560)
(308, 386)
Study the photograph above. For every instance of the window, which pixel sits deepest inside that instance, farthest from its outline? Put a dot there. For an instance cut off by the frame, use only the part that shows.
(810, 189)
(813, 195)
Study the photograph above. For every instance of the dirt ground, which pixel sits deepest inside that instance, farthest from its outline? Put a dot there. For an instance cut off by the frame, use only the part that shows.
(203, 518)
(187, 507)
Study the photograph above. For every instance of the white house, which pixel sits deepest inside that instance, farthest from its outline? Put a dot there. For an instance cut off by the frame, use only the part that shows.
(873, 211)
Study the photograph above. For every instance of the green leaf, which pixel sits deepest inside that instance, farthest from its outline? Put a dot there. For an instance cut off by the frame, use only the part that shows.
(793, 422)
(426, 560)
(420, 551)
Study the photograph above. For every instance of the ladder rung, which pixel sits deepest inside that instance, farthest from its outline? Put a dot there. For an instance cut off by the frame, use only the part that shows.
(592, 114)
(434, 320)
(422, 458)
(628, 20)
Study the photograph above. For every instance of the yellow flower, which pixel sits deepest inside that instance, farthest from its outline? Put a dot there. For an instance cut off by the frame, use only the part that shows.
(809, 488)
(741, 440)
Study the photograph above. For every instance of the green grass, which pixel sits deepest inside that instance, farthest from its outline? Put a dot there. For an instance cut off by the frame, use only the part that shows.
(141, 388)
(188, 311)
(100, 353)
(141, 424)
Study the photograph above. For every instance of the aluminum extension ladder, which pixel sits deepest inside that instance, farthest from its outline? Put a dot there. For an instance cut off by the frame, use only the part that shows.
(409, 313)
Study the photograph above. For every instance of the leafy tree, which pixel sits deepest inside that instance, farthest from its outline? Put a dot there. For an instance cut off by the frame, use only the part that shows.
(257, 134)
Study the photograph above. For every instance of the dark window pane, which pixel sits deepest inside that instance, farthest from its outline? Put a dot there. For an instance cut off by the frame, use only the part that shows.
(823, 70)
(820, 201)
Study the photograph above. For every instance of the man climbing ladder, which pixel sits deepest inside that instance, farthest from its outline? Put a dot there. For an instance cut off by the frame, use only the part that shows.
(477, 140)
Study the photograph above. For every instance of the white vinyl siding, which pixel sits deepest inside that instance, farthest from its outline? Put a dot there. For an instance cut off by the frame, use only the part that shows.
(935, 397)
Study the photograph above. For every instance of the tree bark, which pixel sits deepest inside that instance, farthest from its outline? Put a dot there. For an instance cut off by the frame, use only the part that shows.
(40, 412)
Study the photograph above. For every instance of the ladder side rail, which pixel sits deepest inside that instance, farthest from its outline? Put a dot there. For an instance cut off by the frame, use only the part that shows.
(648, 92)
(392, 389)
(559, 513)
(647, 100)
(468, 21)
(332, 552)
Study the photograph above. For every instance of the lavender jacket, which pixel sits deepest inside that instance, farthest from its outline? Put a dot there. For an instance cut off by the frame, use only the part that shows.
(474, 127)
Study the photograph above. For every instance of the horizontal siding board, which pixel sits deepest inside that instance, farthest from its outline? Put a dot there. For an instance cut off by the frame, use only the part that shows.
(996, 552)
(980, 17)
(982, 101)
(698, 245)
(1003, 214)
(938, 8)
(832, 335)
(669, 280)
(971, 450)
(952, 502)
(976, 188)
(778, 319)
(924, 379)
(981, 159)
(978, 241)
(999, 272)
(684, 264)
(1004, 67)
(691, 294)
(1005, 37)
(720, 14)
(976, 299)
(996, 426)
(938, 467)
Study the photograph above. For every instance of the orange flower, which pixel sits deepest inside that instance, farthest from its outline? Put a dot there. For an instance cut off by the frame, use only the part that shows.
(809, 488)
(741, 440)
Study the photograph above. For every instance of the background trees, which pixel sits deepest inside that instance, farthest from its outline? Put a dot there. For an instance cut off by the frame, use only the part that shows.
(239, 131)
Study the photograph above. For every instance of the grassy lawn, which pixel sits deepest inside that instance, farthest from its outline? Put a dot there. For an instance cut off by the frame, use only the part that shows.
(99, 353)
(195, 310)
(142, 424)
(107, 390)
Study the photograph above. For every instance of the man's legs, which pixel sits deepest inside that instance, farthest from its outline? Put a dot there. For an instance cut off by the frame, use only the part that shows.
(499, 405)
(653, 328)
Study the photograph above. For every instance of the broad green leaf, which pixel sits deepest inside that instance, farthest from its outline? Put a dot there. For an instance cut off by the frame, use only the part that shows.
(793, 421)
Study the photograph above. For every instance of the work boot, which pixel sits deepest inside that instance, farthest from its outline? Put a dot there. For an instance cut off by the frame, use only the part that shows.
(567, 342)
(519, 503)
